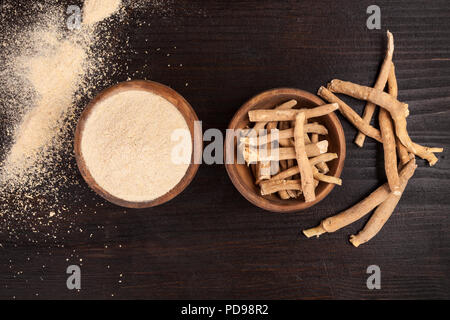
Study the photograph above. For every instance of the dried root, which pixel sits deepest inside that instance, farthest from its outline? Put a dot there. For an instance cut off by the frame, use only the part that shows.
(300, 143)
(360, 209)
(290, 115)
(380, 84)
(306, 174)
(380, 216)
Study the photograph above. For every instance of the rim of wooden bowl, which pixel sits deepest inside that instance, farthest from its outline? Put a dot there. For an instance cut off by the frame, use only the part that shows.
(173, 97)
(272, 203)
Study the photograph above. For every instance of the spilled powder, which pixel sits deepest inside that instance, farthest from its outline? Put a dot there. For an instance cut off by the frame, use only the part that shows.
(128, 148)
(55, 75)
(54, 69)
(48, 75)
(46, 70)
(97, 10)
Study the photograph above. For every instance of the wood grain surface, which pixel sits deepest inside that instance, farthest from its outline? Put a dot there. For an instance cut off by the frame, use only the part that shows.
(211, 243)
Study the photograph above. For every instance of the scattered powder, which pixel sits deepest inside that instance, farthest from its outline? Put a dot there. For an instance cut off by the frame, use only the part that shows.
(127, 145)
(55, 76)
(55, 69)
(47, 71)
(42, 199)
(97, 10)
(48, 75)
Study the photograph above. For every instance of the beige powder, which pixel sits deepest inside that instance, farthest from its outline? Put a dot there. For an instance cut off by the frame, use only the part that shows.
(53, 68)
(48, 73)
(127, 145)
(97, 10)
(55, 76)
(46, 70)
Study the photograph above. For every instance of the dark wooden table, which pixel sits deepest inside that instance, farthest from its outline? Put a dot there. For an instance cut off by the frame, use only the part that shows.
(209, 242)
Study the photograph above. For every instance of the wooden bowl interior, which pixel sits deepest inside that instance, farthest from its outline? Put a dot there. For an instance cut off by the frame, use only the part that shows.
(241, 174)
(173, 97)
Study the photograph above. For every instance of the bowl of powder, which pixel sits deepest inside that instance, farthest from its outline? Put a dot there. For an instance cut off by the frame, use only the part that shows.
(135, 144)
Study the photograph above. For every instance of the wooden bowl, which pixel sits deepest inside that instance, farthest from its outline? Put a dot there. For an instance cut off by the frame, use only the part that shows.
(241, 175)
(169, 94)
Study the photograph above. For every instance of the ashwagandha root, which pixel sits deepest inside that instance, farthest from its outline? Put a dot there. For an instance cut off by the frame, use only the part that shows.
(390, 151)
(306, 173)
(368, 130)
(350, 114)
(262, 171)
(293, 193)
(284, 106)
(421, 151)
(427, 153)
(326, 157)
(256, 146)
(316, 129)
(362, 208)
(398, 110)
(284, 141)
(380, 84)
(286, 164)
(403, 153)
(253, 154)
(290, 115)
(283, 135)
(379, 217)
(436, 150)
(396, 141)
(284, 194)
(271, 126)
(322, 166)
(265, 167)
(273, 186)
(328, 179)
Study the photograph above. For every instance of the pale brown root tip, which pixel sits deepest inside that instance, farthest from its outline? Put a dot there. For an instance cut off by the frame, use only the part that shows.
(331, 84)
(359, 142)
(314, 232)
(354, 241)
(390, 47)
(323, 146)
(320, 90)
